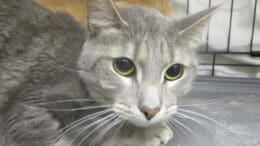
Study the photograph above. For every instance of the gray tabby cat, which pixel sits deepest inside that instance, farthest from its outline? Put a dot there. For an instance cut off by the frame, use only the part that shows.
(114, 83)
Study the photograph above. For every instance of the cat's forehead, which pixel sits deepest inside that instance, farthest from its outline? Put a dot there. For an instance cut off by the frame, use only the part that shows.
(142, 21)
(151, 33)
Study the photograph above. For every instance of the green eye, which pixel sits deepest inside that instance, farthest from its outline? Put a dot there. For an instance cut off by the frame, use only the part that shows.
(124, 66)
(174, 72)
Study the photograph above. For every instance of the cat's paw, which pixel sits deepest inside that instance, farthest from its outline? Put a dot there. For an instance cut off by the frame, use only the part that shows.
(158, 136)
(133, 136)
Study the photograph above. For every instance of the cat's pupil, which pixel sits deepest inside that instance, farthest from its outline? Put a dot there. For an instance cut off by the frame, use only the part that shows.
(124, 66)
(174, 72)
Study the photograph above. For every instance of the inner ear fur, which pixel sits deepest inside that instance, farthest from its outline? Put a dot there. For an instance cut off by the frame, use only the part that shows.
(195, 23)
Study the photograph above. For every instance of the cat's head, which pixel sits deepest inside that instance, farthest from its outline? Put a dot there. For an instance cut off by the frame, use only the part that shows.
(140, 60)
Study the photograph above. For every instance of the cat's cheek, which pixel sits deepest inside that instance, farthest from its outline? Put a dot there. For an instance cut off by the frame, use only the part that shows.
(179, 88)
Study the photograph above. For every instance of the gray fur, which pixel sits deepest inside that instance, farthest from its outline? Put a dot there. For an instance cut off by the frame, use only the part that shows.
(50, 65)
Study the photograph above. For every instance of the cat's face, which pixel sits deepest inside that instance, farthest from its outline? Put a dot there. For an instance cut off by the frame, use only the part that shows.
(141, 68)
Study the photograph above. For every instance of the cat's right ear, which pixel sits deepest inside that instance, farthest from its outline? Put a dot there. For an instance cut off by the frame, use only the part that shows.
(103, 14)
(192, 26)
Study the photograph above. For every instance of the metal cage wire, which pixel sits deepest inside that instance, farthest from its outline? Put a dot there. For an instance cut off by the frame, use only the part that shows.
(214, 53)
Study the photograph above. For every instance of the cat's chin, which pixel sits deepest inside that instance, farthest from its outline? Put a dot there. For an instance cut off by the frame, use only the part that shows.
(147, 123)
(139, 123)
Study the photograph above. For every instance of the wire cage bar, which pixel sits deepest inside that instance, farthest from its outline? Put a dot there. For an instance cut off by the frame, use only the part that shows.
(254, 53)
(208, 50)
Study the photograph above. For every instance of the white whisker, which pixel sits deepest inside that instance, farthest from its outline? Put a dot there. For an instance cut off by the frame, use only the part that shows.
(205, 103)
(198, 121)
(174, 130)
(102, 134)
(201, 115)
(92, 124)
(203, 123)
(180, 128)
(116, 133)
(79, 122)
(81, 108)
(69, 100)
(107, 119)
(186, 127)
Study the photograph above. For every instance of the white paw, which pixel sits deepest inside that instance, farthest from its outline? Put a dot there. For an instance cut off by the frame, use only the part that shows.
(150, 136)
(159, 136)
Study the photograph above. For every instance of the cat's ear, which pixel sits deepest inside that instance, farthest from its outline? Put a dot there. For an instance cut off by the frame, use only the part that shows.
(103, 14)
(193, 25)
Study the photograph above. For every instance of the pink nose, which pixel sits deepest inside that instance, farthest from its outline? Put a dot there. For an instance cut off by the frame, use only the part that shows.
(150, 113)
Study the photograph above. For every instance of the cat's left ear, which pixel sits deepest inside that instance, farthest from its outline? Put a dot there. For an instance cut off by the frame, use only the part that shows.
(103, 14)
(193, 25)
